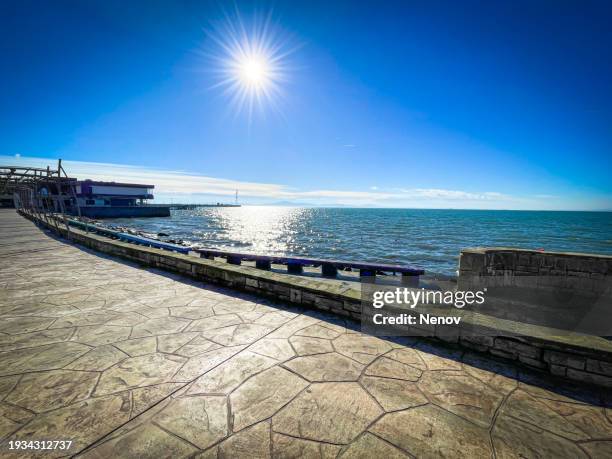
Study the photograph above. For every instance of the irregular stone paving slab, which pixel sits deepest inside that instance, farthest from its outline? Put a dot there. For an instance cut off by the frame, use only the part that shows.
(81, 422)
(326, 367)
(237, 334)
(389, 368)
(170, 302)
(34, 309)
(329, 412)
(202, 363)
(335, 323)
(252, 442)
(318, 331)
(98, 359)
(159, 326)
(278, 349)
(545, 388)
(6, 384)
(103, 299)
(359, 347)
(201, 301)
(12, 418)
(213, 322)
(305, 345)
(138, 346)
(145, 397)
(85, 318)
(192, 312)
(250, 316)
(48, 357)
(451, 361)
(293, 326)
(284, 446)
(513, 438)
(67, 298)
(227, 376)
(233, 305)
(127, 319)
(170, 343)
(591, 420)
(394, 394)
(145, 442)
(272, 319)
(200, 420)
(96, 335)
(52, 389)
(525, 407)
(39, 338)
(598, 448)
(407, 356)
(197, 346)
(368, 446)
(146, 370)
(18, 325)
(263, 395)
(429, 431)
(501, 376)
(462, 394)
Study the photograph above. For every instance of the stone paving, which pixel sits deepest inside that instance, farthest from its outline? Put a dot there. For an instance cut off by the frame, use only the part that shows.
(129, 362)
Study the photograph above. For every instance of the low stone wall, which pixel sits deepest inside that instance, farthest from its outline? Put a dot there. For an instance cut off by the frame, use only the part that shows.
(580, 358)
(578, 271)
(584, 274)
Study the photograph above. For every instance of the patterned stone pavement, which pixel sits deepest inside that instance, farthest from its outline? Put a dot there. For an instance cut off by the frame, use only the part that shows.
(130, 362)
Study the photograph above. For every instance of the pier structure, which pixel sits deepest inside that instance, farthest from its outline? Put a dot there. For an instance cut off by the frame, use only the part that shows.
(197, 206)
(124, 359)
(49, 191)
(46, 193)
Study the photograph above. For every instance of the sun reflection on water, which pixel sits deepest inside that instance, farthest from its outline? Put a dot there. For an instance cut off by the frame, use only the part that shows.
(269, 230)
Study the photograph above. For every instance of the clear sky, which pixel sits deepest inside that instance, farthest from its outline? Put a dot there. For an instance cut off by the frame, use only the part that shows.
(417, 104)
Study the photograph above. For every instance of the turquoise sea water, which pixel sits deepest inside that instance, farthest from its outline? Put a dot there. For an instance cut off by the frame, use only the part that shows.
(431, 239)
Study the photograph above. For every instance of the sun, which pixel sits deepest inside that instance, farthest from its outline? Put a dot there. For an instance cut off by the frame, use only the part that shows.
(254, 71)
(250, 61)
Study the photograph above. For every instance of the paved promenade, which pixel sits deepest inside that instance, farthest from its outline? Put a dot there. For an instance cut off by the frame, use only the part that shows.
(131, 362)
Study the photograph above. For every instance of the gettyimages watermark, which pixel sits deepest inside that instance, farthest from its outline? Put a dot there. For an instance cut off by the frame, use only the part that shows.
(488, 307)
(412, 297)
(393, 311)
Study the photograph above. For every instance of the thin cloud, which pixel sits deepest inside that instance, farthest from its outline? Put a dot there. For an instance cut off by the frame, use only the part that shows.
(437, 193)
(181, 184)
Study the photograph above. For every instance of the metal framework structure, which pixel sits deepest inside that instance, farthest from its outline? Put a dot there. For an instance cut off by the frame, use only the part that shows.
(42, 193)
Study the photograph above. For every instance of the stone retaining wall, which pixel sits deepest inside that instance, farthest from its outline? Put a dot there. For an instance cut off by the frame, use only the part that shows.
(580, 358)
(560, 269)
(589, 274)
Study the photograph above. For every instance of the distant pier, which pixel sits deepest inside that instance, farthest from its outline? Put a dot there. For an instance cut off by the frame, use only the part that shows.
(195, 206)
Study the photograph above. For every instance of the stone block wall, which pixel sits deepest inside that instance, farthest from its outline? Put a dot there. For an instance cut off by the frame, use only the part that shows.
(507, 266)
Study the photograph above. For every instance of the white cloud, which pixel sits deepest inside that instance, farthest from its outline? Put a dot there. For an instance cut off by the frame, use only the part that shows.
(191, 187)
(436, 193)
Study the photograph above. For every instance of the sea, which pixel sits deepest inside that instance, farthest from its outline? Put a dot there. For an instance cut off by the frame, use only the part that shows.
(427, 238)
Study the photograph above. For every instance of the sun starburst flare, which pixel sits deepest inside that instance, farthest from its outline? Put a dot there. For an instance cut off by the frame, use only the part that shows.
(250, 63)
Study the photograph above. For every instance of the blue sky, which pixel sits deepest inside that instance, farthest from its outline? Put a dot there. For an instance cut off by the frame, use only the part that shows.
(408, 104)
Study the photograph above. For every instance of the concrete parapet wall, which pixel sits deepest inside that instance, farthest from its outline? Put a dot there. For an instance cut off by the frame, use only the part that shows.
(579, 358)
